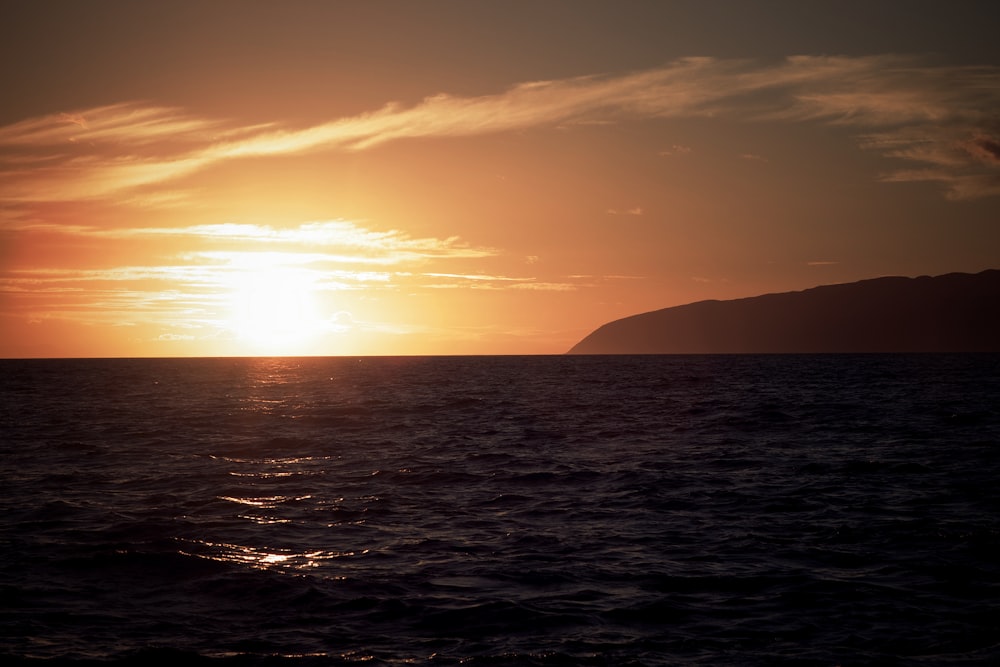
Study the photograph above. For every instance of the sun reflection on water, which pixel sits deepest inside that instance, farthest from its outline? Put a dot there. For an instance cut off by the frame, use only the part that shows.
(272, 461)
(265, 558)
(266, 502)
(278, 497)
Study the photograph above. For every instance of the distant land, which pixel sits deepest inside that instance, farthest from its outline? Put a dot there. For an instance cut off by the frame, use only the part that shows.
(956, 312)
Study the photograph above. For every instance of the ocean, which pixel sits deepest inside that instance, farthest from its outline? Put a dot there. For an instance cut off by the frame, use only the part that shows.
(552, 510)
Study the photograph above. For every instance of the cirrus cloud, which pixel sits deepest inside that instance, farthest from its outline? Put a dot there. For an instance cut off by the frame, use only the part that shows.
(925, 115)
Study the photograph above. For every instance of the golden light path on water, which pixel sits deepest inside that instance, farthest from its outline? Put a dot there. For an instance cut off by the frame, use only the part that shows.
(262, 510)
(265, 558)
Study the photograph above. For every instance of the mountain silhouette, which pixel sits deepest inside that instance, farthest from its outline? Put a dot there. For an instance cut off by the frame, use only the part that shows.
(956, 312)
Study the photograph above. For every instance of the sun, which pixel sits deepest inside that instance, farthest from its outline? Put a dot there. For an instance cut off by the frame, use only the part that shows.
(276, 309)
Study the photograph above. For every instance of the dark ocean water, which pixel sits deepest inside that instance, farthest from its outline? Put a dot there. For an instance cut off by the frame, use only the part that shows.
(689, 510)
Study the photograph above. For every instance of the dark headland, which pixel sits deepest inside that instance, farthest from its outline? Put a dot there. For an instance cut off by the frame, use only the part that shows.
(956, 312)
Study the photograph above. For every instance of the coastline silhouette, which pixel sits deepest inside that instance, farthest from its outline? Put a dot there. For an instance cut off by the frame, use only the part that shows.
(955, 312)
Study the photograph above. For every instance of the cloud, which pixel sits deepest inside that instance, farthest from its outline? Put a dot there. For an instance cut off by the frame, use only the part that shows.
(175, 337)
(131, 123)
(984, 148)
(958, 185)
(636, 210)
(190, 281)
(753, 157)
(546, 287)
(676, 149)
(356, 243)
(920, 113)
(495, 282)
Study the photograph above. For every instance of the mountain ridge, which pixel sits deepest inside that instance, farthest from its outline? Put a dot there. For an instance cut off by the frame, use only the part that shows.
(953, 312)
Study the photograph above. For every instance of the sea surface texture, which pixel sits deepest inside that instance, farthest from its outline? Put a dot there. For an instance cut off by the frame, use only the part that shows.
(659, 510)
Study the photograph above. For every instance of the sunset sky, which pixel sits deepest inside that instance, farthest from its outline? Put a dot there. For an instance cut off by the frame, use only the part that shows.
(468, 177)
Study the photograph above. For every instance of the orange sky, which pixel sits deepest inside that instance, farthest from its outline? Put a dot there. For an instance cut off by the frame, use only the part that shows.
(473, 177)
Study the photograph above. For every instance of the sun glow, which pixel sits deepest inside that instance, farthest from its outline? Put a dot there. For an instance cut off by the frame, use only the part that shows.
(276, 309)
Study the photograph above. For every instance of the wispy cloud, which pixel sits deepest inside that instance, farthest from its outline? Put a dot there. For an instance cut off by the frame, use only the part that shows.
(676, 149)
(496, 282)
(915, 112)
(132, 123)
(984, 148)
(356, 244)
